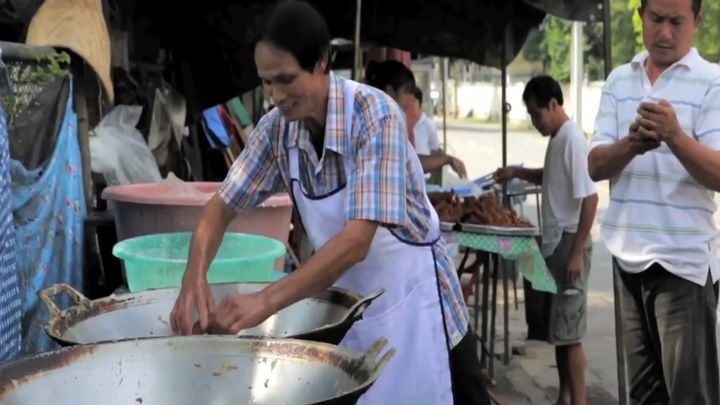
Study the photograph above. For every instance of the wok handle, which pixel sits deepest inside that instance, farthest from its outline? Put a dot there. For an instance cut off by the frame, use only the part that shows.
(375, 349)
(356, 311)
(384, 360)
(47, 294)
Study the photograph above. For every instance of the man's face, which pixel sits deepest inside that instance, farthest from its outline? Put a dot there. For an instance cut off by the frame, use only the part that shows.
(293, 90)
(541, 116)
(668, 30)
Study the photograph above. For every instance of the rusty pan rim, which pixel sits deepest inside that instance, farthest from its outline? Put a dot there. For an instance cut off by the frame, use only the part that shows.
(361, 367)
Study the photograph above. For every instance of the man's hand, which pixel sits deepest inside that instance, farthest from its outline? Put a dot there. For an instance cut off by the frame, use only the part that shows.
(194, 294)
(458, 166)
(658, 121)
(242, 311)
(505, 174)
(574, 268)
(642, 141)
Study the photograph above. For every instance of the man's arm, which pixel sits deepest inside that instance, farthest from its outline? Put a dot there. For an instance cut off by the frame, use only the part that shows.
(252, 178)
(701, 162)
(430, 163)
(534, 176)
(587, 217)
(611, 153)
(588, 210)
(505, 174)
(608, 161)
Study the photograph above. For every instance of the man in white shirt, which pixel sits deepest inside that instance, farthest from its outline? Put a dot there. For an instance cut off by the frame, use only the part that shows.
(569, 202)
(657, 139)
(426, 138)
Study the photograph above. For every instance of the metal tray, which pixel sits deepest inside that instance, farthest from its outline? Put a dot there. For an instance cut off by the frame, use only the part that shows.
(500, 230)
(447, 226)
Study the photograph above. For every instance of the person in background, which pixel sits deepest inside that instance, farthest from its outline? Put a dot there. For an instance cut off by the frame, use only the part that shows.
(426, 137)
(657, 139)
(569, 203)
(398, 81)
(10, 304)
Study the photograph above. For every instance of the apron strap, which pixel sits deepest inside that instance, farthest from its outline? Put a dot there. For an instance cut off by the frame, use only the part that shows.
(349, 91)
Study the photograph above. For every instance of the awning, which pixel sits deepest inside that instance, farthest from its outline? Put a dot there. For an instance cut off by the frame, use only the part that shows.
(222, 66)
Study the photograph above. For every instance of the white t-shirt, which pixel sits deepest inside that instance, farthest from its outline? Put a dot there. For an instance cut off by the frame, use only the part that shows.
(426, 138)
(658, 213)
(566, 182)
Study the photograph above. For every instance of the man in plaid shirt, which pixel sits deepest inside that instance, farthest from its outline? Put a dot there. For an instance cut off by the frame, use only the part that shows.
(341, 149)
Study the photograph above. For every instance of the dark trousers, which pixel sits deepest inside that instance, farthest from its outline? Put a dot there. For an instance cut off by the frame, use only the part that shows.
(466, 374)
(668, 329)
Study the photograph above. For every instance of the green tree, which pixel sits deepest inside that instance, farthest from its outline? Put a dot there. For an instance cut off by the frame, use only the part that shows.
(535, 49)
(558, 40)
(707, 38)
(551, 43)
(623, 35)
(594, 51)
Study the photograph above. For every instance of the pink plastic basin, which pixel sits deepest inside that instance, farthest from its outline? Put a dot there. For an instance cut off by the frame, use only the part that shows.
(144, 209)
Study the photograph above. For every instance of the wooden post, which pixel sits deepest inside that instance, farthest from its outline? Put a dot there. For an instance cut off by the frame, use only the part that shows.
(357, 70)
(80, 101)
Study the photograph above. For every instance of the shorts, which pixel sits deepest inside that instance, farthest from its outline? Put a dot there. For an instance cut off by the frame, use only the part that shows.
(567, 310)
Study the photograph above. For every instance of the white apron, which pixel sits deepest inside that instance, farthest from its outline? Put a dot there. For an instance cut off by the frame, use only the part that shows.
(409, 313)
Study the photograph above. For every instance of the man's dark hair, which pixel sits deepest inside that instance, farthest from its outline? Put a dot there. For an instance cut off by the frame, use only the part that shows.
(696, 6)
(296, 27)
(389, 73)
(542, 89)
(418, 94)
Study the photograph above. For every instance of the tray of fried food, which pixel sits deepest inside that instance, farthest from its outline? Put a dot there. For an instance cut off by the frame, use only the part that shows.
(448, 207)
(486, 215)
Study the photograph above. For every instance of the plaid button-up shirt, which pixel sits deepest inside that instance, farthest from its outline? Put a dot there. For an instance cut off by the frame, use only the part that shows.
(385, 187)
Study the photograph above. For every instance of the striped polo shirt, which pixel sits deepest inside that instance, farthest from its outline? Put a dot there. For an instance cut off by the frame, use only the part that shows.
(658, 213)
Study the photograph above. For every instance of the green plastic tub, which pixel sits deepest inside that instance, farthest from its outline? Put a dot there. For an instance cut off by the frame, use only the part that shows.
(158, 261)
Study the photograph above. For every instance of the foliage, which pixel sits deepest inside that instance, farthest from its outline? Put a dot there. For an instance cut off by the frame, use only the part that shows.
(24, 78)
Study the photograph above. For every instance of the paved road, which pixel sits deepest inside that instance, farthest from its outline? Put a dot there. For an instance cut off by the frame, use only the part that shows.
(479, 146)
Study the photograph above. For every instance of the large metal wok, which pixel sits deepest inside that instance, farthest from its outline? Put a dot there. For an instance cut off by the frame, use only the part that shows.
(325, 317)
(194, 370)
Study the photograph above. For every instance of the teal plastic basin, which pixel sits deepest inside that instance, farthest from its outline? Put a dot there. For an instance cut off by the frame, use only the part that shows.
(159, 261)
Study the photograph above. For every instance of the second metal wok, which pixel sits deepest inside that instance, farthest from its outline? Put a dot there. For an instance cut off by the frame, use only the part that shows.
(325, 317)
(190, 370)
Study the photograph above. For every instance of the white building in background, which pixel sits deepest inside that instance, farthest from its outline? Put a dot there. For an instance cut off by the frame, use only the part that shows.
(474, 92)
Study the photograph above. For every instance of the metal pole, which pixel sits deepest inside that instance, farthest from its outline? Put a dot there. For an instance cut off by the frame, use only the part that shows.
(576, 74)
(506, 200)
(444, 94)
(83, 128)
(619, 346)
(444, 71)
(506, 313)
(504, 107)
(24, 53)
(607, 37)
(357, 65)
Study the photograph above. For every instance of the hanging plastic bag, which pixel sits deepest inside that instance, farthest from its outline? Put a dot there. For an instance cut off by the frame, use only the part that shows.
(118, 150)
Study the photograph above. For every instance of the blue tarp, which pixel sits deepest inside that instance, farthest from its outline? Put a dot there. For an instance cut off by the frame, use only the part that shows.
(49, 211)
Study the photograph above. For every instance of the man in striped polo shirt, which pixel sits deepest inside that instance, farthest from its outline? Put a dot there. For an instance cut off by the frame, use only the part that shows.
(657, 140)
